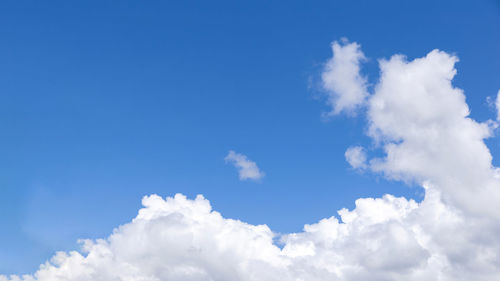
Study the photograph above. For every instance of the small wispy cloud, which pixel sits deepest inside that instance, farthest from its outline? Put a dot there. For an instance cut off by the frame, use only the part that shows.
(247, 169)
(497, 105)
(356, 157)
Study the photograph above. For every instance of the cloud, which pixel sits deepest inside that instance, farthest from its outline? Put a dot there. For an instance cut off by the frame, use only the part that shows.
(421, 123)
(388, 238)
(247, 169)
(344, 85)
(497, 105)
(356, 157)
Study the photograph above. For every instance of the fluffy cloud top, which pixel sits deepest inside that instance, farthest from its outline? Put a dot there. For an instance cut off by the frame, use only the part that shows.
(247, 169)
(381, 239)
(421, 122)
(345, 86)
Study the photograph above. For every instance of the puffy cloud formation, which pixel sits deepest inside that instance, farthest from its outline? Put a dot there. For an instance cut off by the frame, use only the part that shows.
(421, 122)
(247, 169)
(345, 86)
(356, 157)
(381, 239)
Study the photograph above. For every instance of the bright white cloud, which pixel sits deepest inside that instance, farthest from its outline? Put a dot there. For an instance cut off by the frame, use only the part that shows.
(247, 169)
(388, 238)
(345, 86)
(423, 125)
(356, 157)
(421, 122)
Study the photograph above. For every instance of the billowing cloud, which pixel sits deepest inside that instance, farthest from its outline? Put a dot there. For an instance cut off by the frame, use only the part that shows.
(247, 169)
(345, 86)
(421, 123)
(388, 238)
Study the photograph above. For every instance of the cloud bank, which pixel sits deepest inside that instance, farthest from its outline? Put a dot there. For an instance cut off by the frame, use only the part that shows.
(247, 169)
(421, 123)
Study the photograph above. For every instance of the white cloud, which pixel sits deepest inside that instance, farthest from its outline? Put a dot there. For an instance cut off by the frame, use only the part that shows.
(388, 238)
(345, 86)
(423, 125)
(356, 157)
(247, 169)
(421, 122)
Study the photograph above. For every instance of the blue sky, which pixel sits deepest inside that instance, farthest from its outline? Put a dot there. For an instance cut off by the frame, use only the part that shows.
(103, 102)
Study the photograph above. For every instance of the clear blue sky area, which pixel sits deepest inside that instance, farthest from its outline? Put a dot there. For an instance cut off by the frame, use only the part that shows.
(102, 102)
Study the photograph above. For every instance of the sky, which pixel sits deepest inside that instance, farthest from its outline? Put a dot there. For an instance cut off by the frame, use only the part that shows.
(105, 102)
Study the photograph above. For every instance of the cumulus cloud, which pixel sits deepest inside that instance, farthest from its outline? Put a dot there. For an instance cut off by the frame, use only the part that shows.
(422, 124)
(387, 238)
(247, 169)
(356, 157)
(345, 86)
